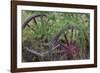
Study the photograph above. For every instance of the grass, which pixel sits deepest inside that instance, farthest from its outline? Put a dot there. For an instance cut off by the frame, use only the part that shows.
(48, 27)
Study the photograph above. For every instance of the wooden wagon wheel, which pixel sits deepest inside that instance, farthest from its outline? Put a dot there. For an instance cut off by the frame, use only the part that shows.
(67, 46)
(26, 24)
(32, 17)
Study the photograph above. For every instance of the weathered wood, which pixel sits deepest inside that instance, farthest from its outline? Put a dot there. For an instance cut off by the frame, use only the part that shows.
(37, 53)
(24, 24)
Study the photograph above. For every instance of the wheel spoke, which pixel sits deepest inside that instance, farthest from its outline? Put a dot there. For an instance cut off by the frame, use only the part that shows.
(35, 21)
(66, 39)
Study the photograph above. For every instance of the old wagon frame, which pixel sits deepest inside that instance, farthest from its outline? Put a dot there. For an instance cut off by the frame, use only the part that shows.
(14, 38)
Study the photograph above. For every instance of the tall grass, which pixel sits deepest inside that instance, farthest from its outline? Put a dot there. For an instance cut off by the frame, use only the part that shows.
(48, 27)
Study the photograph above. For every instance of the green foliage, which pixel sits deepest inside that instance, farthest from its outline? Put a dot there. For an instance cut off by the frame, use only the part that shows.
(47, 27)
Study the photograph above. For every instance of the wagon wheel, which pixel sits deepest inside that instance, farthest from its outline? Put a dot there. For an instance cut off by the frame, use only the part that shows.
(35, 18)
(66, 42)
(32, 17)
(33, 23)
